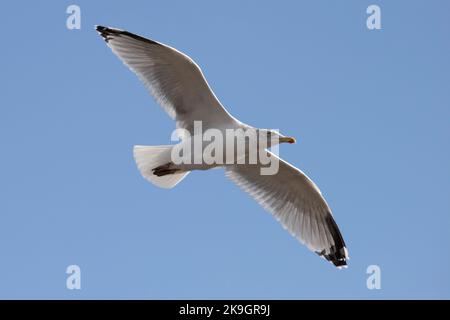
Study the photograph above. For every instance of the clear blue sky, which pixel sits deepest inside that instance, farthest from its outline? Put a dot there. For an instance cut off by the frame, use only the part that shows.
(371, 111)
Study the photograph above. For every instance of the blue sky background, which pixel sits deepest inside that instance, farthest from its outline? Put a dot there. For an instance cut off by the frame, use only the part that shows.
(371, 110)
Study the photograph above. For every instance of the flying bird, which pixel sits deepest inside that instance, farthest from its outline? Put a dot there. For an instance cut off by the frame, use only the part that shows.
(178, 85)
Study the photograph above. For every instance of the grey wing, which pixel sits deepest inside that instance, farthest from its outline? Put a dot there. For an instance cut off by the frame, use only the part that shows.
(297, 204)
(173, 78)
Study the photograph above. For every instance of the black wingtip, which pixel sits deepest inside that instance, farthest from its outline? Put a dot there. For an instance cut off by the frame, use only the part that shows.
(337, 254)
(104, 32)
(337, 257)
(108, 33)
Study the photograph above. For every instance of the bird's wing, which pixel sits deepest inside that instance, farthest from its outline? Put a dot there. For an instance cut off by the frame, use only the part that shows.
(297, 204)
(174, 79)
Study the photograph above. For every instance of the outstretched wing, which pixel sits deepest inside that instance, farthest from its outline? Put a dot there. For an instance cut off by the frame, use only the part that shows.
(173, 78)
(297, 204)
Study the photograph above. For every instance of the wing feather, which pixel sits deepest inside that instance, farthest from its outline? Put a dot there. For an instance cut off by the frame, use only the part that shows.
(173, 78)
(297, 204)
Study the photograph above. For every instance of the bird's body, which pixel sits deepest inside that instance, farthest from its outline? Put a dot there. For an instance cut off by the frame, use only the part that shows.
(179, 86)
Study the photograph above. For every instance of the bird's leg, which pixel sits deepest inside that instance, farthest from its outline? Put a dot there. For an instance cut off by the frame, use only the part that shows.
(165, 169)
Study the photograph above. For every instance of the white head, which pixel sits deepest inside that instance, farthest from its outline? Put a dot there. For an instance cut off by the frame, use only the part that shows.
(274, 137)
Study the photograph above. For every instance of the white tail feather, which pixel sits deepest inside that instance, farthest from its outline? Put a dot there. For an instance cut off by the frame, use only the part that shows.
(150, 157)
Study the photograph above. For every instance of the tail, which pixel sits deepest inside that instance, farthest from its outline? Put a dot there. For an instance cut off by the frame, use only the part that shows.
(150, 158)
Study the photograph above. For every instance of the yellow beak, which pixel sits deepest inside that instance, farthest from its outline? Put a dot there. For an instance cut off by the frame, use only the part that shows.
(288, 139)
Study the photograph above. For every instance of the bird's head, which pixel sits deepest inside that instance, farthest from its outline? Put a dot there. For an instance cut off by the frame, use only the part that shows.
(274, 137)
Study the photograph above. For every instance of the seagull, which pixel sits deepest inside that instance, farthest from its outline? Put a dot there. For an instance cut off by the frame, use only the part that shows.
(178, 85)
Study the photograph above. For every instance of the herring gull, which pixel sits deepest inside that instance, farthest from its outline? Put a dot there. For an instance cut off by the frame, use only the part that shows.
(178, 85)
